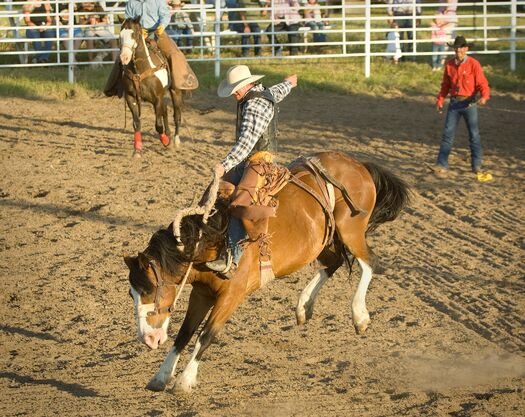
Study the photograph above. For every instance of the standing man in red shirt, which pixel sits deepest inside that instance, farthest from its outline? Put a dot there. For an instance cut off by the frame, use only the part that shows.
(463, 79)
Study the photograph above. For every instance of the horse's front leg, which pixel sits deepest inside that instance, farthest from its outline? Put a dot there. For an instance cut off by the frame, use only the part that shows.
(161, 120)
(226, 304)
(199, 304)
(135, 112)
(177, 102)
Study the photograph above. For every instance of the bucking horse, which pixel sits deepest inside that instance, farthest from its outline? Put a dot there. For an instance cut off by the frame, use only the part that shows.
(324, 213)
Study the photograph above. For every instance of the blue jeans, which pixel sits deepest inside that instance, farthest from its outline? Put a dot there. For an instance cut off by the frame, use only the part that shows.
(318, 37)
(236, 231)
(438, 49)
(188, 39)
(469, 110)
(255, 31)
(405, 26)
(39, 46)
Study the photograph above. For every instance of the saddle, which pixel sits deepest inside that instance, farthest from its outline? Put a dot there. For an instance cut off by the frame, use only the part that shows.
(264, 202)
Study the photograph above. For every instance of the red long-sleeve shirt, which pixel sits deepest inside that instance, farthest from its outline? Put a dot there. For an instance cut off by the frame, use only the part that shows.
(465, 79)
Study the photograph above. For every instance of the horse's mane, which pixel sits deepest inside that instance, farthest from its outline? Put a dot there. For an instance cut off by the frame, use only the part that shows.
(163, 245)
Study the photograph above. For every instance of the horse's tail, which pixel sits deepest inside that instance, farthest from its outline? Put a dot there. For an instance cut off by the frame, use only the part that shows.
(392, 195)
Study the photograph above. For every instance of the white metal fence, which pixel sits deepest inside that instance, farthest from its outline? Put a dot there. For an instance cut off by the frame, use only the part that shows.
(349, 29)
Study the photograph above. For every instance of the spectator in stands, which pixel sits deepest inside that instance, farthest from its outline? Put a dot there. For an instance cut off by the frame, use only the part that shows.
(439, 39)
(393, 47)
(287, 19)
(180, 23)
(450, 19)
(239, 23)
(313, 19)
(38, 28)
(93, 15)
(63, 22)
(402, 13)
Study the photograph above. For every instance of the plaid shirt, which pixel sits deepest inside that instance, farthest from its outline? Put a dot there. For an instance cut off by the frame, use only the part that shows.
(256, 117)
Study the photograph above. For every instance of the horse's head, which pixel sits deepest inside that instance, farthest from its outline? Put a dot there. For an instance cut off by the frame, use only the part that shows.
(130, 36)
(154, 276)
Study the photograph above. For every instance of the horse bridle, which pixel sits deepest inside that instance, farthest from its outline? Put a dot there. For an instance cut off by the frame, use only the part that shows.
(157, 309)
(158, 288)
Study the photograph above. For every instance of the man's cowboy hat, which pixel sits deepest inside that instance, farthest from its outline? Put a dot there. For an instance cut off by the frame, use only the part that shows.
(237, 77)
(460, 42)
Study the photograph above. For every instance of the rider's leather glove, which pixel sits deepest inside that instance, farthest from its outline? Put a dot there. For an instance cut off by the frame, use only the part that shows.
(160, 30)
(145, 32)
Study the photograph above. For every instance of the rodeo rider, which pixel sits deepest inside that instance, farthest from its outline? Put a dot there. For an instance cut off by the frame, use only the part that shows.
(154, 17)
(249, 164)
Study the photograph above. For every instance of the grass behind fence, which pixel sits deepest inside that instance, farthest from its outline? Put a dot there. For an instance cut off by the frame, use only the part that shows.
(337, 75)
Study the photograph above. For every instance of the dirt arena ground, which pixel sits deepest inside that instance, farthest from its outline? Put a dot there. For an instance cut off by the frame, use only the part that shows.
(447, 331)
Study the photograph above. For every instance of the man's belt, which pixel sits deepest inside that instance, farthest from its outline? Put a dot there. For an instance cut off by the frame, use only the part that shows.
(461, 98)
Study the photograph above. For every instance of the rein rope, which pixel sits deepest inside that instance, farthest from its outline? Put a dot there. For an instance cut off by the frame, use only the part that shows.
(204, 210)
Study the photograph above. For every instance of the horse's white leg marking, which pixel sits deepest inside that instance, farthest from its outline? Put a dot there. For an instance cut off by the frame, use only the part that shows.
(188, 378)
(360, 315)
(165, 374)
(305, 304)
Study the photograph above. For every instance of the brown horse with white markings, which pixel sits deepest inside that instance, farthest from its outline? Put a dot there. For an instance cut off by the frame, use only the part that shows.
(146, 77)
(298, 236)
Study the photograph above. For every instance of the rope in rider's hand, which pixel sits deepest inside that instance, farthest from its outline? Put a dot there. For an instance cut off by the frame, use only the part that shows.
(204, 210)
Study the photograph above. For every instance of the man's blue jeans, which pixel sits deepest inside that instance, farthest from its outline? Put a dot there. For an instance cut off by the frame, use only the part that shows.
(236, 230)
(255, 32)
(43, 45)
(469, 111)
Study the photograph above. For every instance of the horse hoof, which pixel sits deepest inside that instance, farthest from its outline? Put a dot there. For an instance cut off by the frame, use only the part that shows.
(304, 313)
(164, 139)
(177, 141)
(361, 327)
(156, 385)
(137, 154)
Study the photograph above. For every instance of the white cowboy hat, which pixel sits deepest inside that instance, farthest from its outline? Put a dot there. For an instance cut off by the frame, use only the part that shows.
(237, 77)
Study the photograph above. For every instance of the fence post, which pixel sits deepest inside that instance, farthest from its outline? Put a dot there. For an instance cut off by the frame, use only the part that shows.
(485, 24)
(367, 38)
(513, 10)
(414, 33)
(217, 38)
(71, 42)
(343, 16)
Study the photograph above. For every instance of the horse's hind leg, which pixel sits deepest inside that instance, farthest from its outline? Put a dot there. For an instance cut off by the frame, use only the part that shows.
(135, 112)
(177, 101)
(330, 262)
(161, 120)
(198, 307)
(351, 231)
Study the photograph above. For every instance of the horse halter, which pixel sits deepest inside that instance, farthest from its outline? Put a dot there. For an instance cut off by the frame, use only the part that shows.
(154, 309)
(157, 310)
